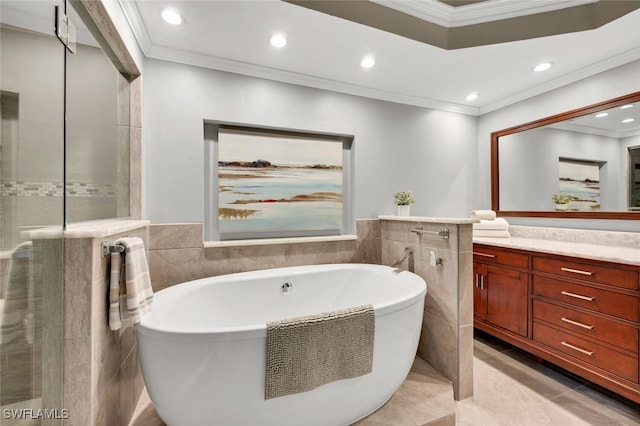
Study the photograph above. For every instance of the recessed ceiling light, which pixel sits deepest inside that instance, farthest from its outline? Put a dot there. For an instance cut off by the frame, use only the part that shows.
(171, 16)
(278, 40)
(367, 62)
(602, 114)
(542, 67)
(472, 96)
(628, 120)
(626, 106)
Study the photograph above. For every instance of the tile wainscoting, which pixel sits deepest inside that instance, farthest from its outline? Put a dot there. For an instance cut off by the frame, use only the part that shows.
(101, 379)
(178, 254)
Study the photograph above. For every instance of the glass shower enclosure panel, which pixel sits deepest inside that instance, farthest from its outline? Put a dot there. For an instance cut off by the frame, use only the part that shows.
(97, 132)
(31, 198)
(64, 157)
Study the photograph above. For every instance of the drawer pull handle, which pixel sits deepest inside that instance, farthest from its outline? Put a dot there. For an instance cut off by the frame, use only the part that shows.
(575, 348)
(577, 271)
(484, 254)
(578, 296)
(579, 324)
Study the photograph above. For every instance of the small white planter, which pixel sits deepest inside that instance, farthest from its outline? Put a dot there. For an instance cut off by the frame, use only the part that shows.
(404, 210)
(562, 207)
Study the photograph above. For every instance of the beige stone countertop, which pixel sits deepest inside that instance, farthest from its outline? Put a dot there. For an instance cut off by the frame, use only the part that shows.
(88, 229)
(616, 254)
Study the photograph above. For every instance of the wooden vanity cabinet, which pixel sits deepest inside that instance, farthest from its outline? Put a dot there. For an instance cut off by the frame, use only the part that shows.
(501, 289)
(588, 311)
(583, 315)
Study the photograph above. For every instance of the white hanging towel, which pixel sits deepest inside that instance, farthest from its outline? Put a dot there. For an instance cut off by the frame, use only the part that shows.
(130, 292)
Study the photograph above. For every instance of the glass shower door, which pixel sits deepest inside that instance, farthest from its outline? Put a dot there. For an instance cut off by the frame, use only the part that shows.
(31, 198)
(64, 157)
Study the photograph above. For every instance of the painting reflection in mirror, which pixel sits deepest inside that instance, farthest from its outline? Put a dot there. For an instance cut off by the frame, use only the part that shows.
(580, 180)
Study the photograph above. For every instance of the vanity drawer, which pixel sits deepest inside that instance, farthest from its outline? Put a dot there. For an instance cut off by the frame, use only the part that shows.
(503, 257)
(588, 272)
(615, 362)
(606, 302)
(620, 335)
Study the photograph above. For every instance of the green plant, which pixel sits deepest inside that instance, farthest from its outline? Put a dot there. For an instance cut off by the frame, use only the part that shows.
(404, 198)
(561, 198)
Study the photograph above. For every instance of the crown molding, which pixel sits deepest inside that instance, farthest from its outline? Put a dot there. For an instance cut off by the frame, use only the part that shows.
(477, 13)
(132, 13)
(595, 131)
(588, 71)
(252, 70)
(173, 55)
(630, 133)
(243, 68)
(579, 128)
(189, 58)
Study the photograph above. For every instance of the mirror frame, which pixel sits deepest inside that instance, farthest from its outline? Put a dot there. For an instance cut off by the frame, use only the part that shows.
(495, 171)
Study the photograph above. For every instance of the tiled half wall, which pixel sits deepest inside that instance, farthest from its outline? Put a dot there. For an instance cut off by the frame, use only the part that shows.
(446, 340)
(102, 381)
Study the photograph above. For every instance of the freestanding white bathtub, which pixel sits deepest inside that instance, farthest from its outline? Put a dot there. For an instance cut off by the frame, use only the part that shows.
(203, 347)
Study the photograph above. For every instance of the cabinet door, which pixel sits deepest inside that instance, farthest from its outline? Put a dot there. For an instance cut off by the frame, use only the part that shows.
(506, 298)
(479, 295)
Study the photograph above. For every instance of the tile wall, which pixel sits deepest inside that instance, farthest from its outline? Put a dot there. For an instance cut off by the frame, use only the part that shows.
(446, 341)
(101, 376)
(177, 254)
(101, 380)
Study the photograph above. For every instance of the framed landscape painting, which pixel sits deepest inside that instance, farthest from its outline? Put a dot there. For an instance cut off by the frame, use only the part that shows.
(274, 182)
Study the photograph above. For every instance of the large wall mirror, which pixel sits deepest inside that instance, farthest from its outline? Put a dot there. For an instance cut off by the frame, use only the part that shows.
(583, 163)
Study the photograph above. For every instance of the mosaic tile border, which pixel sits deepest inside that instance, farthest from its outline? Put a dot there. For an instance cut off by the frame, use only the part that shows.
(54, 189)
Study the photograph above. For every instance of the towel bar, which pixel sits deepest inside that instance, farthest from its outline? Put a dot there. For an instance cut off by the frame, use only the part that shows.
(444, 232)
(108, 248)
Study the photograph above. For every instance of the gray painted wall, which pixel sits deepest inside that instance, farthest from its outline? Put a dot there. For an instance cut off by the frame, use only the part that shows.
(396, 147)
(444, 157)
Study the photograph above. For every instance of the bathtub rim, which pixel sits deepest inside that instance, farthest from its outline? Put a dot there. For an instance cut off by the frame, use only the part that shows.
(150, 326)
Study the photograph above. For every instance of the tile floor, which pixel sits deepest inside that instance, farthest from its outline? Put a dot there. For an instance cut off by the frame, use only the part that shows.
(425, 398)
(510, 388)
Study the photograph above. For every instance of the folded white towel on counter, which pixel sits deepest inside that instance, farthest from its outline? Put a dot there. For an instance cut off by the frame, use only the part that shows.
(491, 233)
(130, 292)
(483, 214)
(498, 223)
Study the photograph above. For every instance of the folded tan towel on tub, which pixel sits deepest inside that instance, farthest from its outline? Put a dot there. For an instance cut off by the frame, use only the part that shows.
(310, 351)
